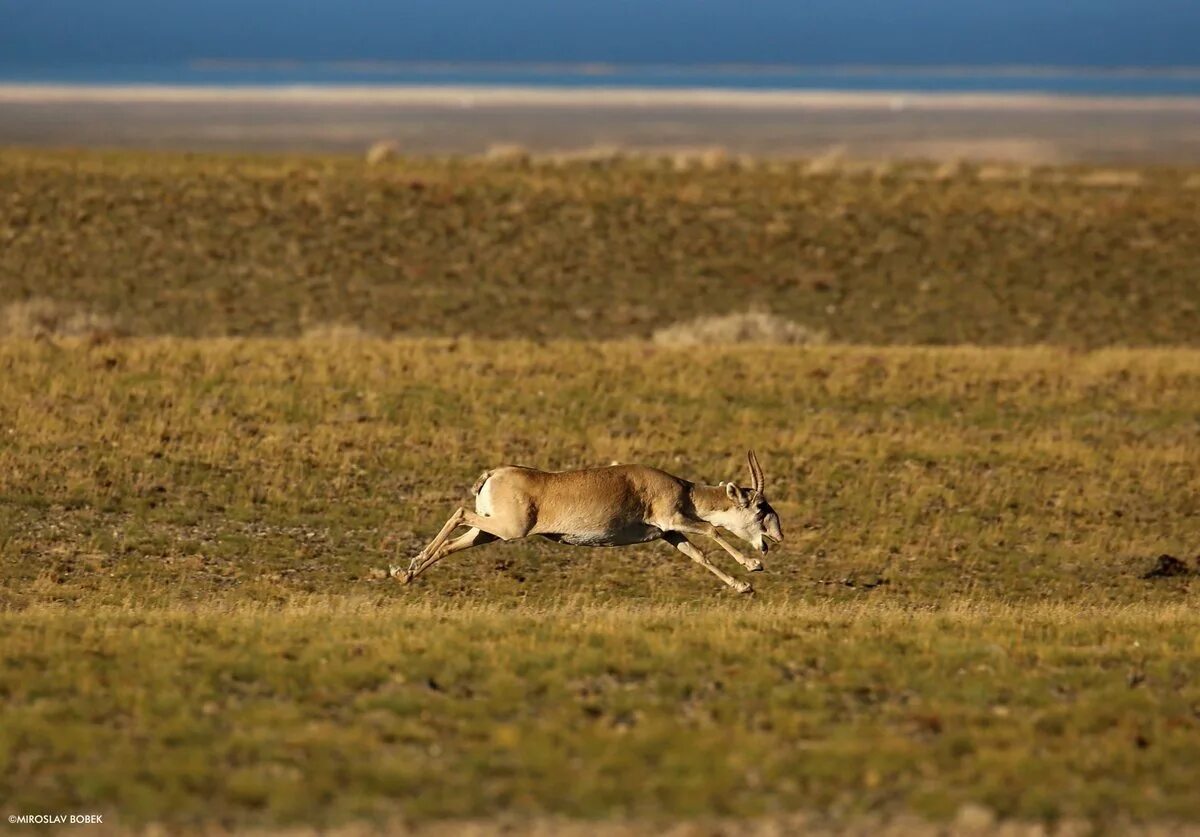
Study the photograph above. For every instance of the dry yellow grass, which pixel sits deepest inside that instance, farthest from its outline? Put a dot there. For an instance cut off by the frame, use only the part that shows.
(954, 631)
(328, 710)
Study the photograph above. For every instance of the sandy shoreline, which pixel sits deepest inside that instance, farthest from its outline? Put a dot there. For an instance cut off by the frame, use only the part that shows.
(573, 97)
(469, 120)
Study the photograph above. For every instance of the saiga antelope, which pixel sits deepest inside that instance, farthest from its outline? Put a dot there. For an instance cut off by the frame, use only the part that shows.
(613, 506)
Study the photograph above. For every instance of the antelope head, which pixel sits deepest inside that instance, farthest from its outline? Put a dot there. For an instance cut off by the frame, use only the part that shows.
(750, 516)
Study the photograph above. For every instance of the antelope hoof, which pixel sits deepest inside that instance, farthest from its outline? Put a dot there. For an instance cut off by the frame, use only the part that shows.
(404, 576)
(743, 587)
(754, 566)
(417, 561)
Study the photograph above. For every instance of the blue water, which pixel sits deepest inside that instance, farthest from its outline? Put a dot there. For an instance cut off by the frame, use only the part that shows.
(972, 80)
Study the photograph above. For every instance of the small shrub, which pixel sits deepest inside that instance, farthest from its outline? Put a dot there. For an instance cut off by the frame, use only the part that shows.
(950, 170)
(831, 162)
(713, 158)
(600, 155)
(749, 327)
(507, 153)
(43, 317)
(1002, 173)
(382, 152)
(336, 332)
(1110, 178)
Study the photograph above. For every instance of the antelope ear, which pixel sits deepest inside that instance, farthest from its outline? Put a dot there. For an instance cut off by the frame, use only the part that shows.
(736, 494)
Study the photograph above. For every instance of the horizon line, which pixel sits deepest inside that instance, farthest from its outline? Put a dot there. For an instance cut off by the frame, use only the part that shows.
(768, 68)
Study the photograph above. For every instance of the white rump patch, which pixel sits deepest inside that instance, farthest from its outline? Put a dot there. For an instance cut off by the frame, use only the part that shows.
(483, 501)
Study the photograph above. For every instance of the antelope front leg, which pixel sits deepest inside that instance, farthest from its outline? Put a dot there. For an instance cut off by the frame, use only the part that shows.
(689, 549)
(709, 531)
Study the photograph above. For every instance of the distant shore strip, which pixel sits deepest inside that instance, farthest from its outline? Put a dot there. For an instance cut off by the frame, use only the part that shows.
(575, 97)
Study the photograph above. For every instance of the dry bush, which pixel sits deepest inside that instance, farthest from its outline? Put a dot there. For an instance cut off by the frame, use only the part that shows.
(1003, 173)
(336, 332)
(600, 155)
(950, 170)
(43, 317)
(831, 162)
(835, 162)
(509, 153)
(382, 152)
(883, 168)
(877, 169)
(1110, 178)
(749, 162)
(748, 327)
(713, 158)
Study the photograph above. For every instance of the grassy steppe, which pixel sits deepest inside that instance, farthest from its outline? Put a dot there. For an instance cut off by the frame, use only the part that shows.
(194, 629)
(365, 708)
(210, 245)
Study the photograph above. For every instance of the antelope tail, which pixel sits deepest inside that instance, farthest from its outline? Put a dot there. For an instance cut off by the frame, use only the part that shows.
(478, 486)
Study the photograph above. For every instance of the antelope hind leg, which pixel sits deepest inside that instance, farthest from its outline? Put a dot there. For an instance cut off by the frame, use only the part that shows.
(453, 523)
(472, 537)
(492, 528)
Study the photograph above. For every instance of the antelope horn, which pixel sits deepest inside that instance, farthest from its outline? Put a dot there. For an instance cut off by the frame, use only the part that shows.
(756, 473)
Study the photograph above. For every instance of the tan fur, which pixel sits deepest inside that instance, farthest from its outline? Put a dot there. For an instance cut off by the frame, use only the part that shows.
(616, 505)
